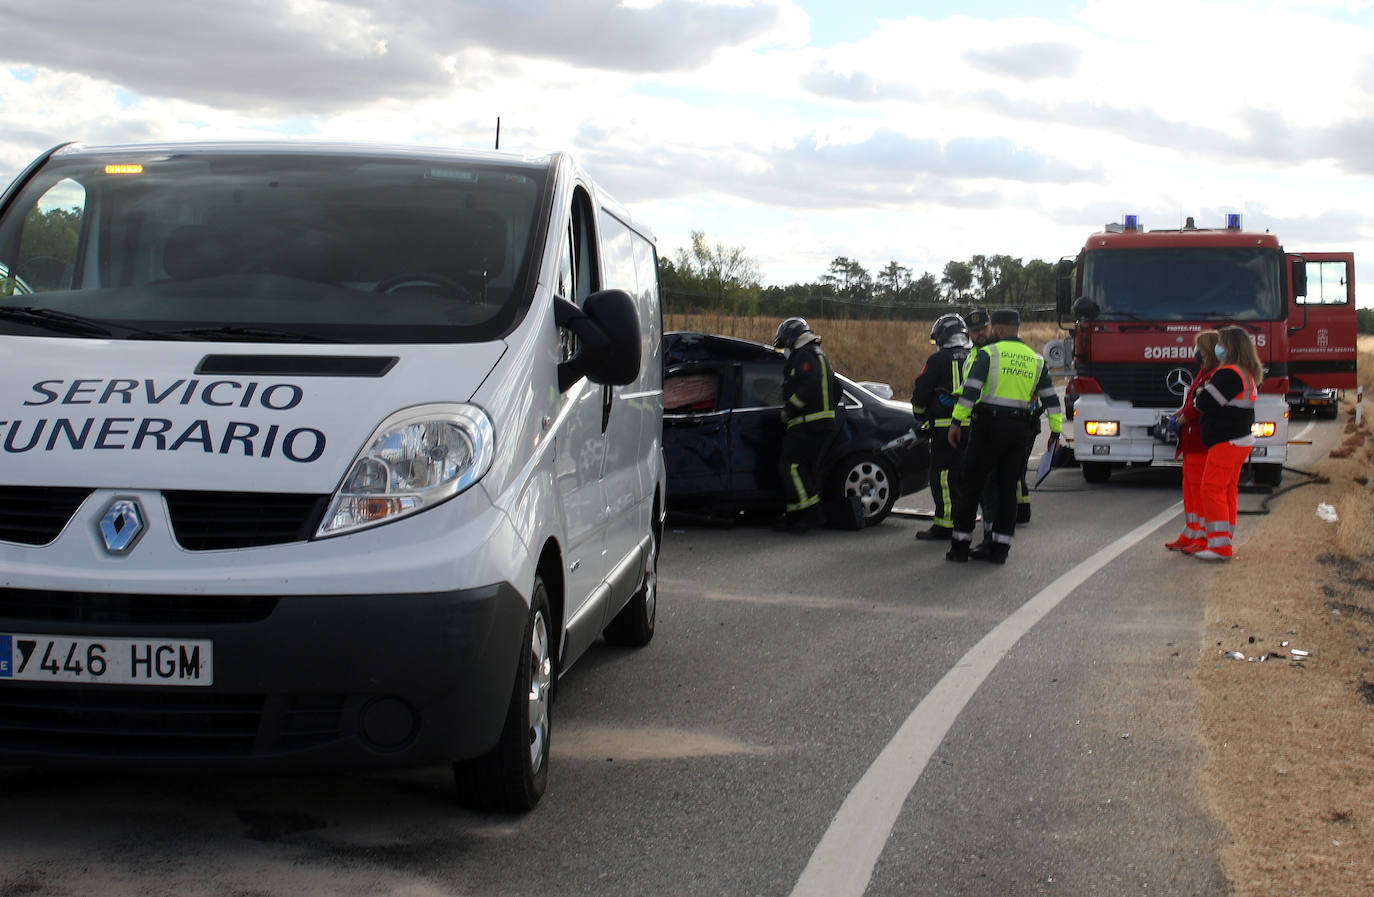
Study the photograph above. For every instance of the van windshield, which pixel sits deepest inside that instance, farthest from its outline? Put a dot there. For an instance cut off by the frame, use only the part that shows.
(1185, 284)
(296, 246)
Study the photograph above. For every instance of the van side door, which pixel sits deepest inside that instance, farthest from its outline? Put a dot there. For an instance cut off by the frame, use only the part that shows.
(631, 414)
(581, 449)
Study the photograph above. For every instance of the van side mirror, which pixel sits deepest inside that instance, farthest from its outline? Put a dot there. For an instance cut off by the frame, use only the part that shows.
(608, 344)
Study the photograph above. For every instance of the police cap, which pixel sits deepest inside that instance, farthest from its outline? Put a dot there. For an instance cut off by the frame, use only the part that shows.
(977, 318)
(1008, 316)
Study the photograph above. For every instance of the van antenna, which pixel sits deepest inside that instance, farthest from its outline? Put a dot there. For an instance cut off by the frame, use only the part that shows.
(498, 132)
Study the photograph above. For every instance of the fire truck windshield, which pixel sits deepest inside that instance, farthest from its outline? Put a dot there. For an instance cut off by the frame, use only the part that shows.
(1185, 283)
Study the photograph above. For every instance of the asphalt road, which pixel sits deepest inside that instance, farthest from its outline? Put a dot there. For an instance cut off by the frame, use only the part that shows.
(718, 760)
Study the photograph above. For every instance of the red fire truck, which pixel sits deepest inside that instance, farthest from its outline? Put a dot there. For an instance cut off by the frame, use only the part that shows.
(1137, 298)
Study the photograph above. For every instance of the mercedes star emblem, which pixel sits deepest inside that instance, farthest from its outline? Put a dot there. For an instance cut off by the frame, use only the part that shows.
(1178, 380)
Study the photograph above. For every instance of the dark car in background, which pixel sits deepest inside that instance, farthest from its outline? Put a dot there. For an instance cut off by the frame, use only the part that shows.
(722, 428)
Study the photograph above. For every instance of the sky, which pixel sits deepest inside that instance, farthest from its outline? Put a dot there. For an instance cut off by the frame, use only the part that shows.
(799, 130)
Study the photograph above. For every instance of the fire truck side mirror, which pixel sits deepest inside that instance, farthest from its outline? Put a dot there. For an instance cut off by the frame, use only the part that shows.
(1063, 286)
(1299, 278)
(1085, 308)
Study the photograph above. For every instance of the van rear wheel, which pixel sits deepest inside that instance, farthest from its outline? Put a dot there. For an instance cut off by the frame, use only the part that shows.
(633, 627)
(512, 776)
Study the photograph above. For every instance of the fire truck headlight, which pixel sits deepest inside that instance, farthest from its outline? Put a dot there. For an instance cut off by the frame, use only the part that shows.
(1263, 429)
(1101, 427)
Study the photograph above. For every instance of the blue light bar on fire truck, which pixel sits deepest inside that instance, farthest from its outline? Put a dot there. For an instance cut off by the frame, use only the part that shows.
(1130, 222)
(1233, 221)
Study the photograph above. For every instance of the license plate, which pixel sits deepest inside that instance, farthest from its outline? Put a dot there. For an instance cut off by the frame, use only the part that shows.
(106, 661)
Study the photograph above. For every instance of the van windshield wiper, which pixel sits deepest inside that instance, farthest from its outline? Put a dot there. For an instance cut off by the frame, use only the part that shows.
(56, 321)
(236, 333)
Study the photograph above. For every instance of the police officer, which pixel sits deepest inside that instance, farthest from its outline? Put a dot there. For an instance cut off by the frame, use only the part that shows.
(999, 394)
(809, 391)
(932, 401)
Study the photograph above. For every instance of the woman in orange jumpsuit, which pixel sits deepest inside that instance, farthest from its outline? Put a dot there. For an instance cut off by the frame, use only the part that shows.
(1191, 449)
(1227, 406)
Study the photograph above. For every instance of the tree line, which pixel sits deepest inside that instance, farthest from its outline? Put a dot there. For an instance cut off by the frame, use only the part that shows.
(713, 277)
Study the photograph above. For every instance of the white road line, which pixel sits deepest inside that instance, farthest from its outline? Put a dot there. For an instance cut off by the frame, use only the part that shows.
(843, 862)
(1302, 434)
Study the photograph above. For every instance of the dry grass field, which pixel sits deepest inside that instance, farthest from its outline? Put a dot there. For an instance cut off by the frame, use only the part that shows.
(891, 352)
(1288, 765)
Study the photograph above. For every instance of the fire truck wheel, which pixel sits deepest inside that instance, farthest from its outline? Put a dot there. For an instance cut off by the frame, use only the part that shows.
(1268, 474)
(1096, 471)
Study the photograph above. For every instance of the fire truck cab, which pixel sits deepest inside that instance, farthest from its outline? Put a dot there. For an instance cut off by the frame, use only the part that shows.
(1138, 298)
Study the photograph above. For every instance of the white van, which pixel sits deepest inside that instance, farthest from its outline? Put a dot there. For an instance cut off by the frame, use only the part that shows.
(319, 456)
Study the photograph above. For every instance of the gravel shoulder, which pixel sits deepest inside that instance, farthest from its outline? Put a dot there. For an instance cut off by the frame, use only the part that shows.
(1289, 740)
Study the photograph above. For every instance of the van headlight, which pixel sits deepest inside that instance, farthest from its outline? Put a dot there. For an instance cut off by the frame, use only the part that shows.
(414, 460)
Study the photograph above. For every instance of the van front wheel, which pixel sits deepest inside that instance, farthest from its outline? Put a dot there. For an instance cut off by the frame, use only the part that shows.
(512, 776)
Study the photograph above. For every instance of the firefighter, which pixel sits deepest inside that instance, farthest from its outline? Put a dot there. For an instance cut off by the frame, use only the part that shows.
(997, 402)
(809, 392)
(932, 401)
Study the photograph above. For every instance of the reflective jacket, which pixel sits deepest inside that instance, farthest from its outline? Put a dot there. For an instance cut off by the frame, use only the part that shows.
(1190, 433)
(809, 388)
(1227, 406)
(937, 386)
(1009, 375)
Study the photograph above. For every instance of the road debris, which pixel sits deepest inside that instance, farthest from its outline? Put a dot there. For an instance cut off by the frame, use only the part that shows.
(1327, 512)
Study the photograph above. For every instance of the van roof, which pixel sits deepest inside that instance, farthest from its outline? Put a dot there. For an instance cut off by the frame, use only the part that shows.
(310, 148)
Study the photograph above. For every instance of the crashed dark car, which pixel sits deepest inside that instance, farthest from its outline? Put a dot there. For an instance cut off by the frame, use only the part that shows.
(722, 427)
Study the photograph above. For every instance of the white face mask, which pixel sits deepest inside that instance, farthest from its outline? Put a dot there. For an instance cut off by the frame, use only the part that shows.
(1220, 353)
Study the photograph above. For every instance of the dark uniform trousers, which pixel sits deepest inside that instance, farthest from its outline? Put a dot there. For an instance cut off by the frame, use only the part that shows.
(799, 462)
(988, 501)
(996, 456)
(944, 474)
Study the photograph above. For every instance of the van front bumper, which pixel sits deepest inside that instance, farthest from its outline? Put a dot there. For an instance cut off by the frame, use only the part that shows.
(321, 682)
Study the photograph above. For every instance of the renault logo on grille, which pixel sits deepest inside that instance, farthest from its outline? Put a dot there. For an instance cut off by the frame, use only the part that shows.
(1178, 380)
(122, 525)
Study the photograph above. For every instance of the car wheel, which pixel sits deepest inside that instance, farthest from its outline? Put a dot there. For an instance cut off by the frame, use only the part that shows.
(633, 627)
(512, 776)
(1096, 471)
(873, 479)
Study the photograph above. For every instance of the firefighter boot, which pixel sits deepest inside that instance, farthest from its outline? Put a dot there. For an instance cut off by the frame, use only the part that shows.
(958, 551)
(934, 534)
(998, 551)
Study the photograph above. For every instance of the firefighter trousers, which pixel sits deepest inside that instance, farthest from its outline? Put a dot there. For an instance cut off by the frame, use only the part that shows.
(799, 463)
(944, 474)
